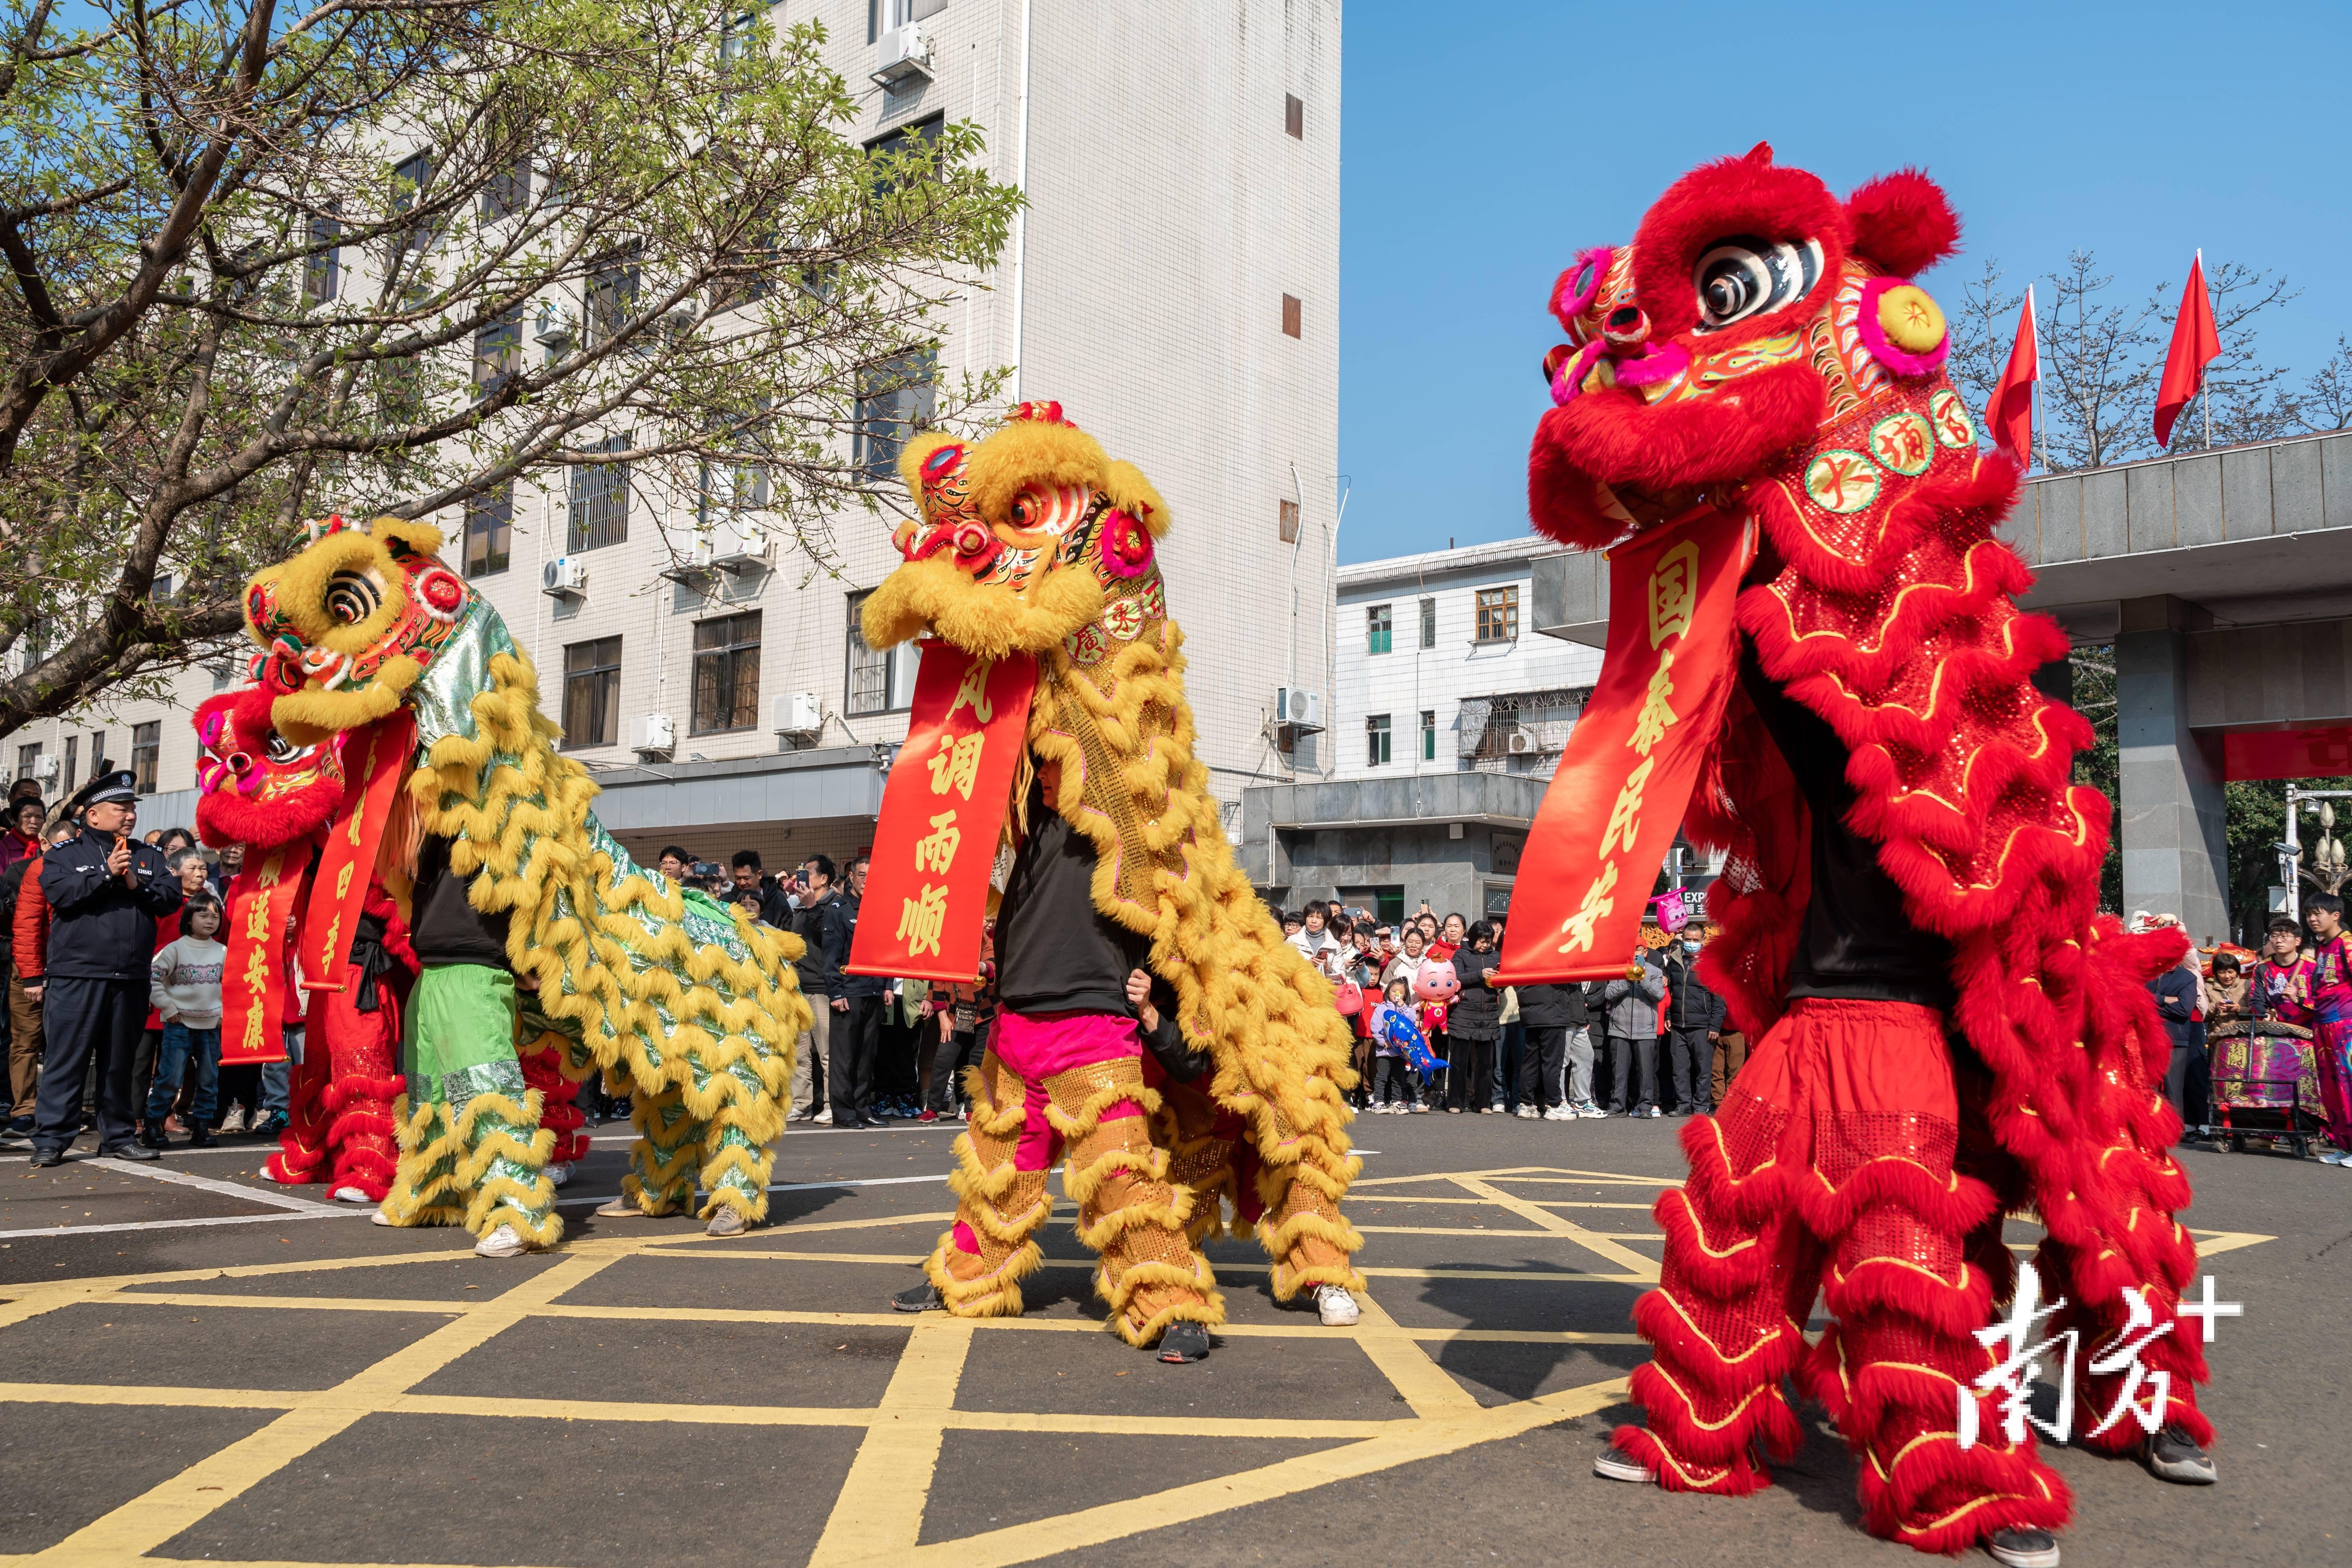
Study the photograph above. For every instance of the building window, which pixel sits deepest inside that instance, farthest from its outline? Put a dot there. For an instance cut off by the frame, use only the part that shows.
(894, 401)
(1377, 629)
(28, 761)
(508, 191)
(72, 776)
(1498, 614)
(410, 176)
(1294, 116)
(1289, 523)
(881, 680)
(497, 353)
(1291, 313)
(489, 531)
(222, 674)
(1376, 740)
(921, 137)
(1429, 622)
(600, 501)
(322, 277)
(727, 673)
(1429, 734)
(591, 692)
(146, 746)
(612, 297)
(881, 14)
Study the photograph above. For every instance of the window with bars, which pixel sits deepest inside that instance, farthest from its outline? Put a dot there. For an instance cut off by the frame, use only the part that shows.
(1375, 740)
(600, 501)
(895, 398)
(727, 673)
(410, 176)
(1429, 734)
(1429, 622)
(146, 751)
(1498, 614)
(880, 680)
(591, 693)
(71, 777)
(1377, 630)
(28, 761)
(612, 297)
(489, 531)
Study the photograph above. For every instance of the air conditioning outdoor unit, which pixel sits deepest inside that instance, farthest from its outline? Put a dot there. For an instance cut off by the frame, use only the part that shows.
(735, 546)
(45, 768)
(905, 58)
(1521, 742)
(554, 332)
(565, 577)
(799, 713)
(661, 734)
(1297, 707)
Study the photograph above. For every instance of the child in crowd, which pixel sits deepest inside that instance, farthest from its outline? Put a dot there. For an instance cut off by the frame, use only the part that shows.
(185, 987)
(1396, 1088)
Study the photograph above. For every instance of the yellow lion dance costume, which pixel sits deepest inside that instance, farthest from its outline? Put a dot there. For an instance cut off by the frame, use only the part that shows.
(686, 1004)
(1218, 1076)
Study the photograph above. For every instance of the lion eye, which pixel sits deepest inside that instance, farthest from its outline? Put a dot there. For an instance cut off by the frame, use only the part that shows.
(279, 750)
(352, 598)
(1742, 276)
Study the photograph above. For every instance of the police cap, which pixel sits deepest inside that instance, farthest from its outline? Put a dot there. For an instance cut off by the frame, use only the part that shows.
(120, 784)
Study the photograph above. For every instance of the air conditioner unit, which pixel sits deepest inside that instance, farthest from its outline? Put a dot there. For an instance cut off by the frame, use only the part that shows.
(565, 577)
(799, 713)
(45, 768)
(734, 545)
(659, 734)
(1521, 742)
(554, 333)
(1297, 708)
(905, 59)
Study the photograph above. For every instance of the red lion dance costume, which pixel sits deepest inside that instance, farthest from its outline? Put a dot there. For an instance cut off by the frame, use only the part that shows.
(1947, 1033)
(280, 801)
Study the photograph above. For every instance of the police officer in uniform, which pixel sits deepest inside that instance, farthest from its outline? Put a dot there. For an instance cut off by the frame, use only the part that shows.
(105, 892)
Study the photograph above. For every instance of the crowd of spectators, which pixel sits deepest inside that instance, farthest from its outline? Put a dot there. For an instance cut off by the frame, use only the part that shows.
(1557, 1053)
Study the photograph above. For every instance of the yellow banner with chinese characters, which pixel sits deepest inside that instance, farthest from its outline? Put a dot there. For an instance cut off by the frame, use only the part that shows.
(1614, 805)
(942, 812)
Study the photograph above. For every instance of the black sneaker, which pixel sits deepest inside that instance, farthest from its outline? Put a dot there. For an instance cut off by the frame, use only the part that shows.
(1615, 1464)
(131, 1151)
(2173, 1456)
(1184, 1343)
(151, 1135)
(2023, 1547)
(923, 1297)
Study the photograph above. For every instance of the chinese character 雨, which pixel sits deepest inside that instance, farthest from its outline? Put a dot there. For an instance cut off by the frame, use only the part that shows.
(936, 851)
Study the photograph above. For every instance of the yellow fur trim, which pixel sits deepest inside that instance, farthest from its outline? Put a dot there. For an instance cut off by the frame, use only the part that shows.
(1134, 495)
(307, 717)
(426, 1171)
(1021, 453)
(498, 1199)
(936, 594)
(996, 1294)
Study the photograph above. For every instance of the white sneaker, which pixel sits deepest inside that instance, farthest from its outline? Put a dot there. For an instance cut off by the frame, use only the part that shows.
(379, 1217)
(1419, 1109)
(1528, 1113)
(1559, 1113)
(503, 1242)
(351, 1196)
(1592, 1112)
(824, 1118)
(233, 1121)
(559, 1173)
(1655, 1112)
(1336, 1306)
(2332, 1157)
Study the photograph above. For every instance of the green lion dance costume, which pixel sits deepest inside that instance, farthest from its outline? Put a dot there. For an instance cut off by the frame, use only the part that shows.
(1225, 1082)
(691, 1007)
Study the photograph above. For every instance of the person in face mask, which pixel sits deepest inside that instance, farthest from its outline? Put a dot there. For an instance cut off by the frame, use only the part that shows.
(1695, 1017)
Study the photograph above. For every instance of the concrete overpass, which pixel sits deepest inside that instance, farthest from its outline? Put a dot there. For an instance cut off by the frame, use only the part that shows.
(2224, 582)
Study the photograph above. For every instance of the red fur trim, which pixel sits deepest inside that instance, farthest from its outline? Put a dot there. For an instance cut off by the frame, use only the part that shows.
(294, 1167)
(1753, 1200)
(1744, 196)
(1657, 1319)
(1903, 223)
(1762, 1417)
(1956, 1307)
(1725, 1267)
(1739, 1479)
(1953, 1205)
(1612, 436)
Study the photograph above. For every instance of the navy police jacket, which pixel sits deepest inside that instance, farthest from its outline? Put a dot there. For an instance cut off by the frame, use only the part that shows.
(100, 928)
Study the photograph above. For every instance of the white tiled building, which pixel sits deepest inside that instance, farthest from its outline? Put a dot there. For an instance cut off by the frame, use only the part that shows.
(1174, 284)
(1440, 668)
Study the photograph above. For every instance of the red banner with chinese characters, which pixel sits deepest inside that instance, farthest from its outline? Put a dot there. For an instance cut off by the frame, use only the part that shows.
(1615, 804)
(942, 811)
(253, 980)
(373, 762)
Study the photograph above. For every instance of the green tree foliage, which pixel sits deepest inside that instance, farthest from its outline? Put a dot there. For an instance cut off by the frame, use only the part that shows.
(387, 256)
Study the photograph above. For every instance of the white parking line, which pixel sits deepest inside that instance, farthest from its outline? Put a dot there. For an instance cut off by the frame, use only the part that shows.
(354, 1211)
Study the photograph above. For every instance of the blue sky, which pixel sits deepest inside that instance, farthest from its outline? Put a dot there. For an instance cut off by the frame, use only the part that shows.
(1483, 147)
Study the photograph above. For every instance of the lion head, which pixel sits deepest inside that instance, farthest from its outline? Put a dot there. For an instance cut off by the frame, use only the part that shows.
(1755, 318)
(346, 626)
(254, 786)
(1026, 538)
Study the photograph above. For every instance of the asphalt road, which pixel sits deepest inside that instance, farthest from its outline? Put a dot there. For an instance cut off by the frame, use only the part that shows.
(210, 1369)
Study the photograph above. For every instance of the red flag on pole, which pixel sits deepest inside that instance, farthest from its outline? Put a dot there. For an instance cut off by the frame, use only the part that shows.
(2195, 344)
(2009, 414)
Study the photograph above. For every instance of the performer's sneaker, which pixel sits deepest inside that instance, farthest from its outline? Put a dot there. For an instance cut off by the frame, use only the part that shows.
(1335, 1307)
(1184, 1343)
(923, 1297)
(504, 1242)
(727, 1221)
(2023, 1547)
(379, 1217)
(1615, 1464)
(2173, 1456)
(351, 1196)
(622, 1207)
(559, 1173)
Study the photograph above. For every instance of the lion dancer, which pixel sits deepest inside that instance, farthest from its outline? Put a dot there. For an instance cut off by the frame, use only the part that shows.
(1814, 642)
(340, 1096)
(1154, 1031)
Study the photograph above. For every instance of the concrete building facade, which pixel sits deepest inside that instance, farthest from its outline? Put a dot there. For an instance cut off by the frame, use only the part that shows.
(1173, 282)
